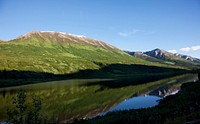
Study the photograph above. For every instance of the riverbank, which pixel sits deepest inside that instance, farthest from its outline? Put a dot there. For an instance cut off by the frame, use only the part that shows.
(180, 108)
(9, 78)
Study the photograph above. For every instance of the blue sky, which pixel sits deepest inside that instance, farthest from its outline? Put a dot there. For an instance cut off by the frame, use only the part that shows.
(135, 25)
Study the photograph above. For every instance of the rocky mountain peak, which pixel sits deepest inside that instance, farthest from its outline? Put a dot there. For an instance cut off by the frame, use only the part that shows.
(186, 57)
(65, 37)
(158, 53)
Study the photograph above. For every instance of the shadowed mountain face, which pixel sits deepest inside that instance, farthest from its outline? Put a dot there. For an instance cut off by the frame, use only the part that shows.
(141, 55)
(160, 54)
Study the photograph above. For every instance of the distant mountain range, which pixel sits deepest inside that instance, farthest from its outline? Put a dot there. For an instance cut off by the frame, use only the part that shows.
(63, 53)
(192, 59)
(162, 56)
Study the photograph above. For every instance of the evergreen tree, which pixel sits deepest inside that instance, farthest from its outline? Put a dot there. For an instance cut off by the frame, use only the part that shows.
(21, 114)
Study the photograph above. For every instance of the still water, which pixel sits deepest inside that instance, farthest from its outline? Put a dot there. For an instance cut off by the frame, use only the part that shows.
(137, 102)
(69, 99)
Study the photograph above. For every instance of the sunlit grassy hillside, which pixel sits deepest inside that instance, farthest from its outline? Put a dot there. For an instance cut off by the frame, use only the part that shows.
(60, 53)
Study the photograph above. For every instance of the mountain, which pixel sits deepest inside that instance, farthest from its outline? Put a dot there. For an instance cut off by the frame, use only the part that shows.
(64, 53)
(164, 57)
(186, 57)
(143, 56)
(60, 53)
(160, 54)
(62, 38)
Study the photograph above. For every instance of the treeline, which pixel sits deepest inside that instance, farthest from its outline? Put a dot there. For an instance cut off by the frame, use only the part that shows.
(105, 71)
(114, 71)
(15, 78)
(14, 74)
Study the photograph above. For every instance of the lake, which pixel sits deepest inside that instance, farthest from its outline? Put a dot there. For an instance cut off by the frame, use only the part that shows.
(66, 100)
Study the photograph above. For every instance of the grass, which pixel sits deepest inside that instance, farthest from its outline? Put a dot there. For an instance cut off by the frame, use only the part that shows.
(61, 57)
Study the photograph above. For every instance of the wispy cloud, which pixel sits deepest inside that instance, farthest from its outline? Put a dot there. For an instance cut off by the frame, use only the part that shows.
(134, 32)
(172, 51)
(185, 49)
(188, 49)
(129, 33)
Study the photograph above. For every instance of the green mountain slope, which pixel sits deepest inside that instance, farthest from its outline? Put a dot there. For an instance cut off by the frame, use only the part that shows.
(60, 53)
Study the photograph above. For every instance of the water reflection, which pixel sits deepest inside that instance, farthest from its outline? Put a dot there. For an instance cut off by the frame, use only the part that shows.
(70, 99)
(135, 103)
(150, 97)
(3, 93)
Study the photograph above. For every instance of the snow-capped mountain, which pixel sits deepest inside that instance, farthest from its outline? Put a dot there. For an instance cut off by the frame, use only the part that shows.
(164, 57)
(186, 57)
(159, 54)
(62, 37)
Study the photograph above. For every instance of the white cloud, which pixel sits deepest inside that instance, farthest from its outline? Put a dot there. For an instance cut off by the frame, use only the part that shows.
(191, 51)
(128, 33)
(188, 49)
(172, 51)
(194, 48)
(123, 34)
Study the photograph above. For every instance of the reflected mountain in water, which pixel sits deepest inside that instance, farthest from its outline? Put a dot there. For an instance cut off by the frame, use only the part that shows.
(165, 91)
(64, 101)
(167, 86)
(150, 97)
